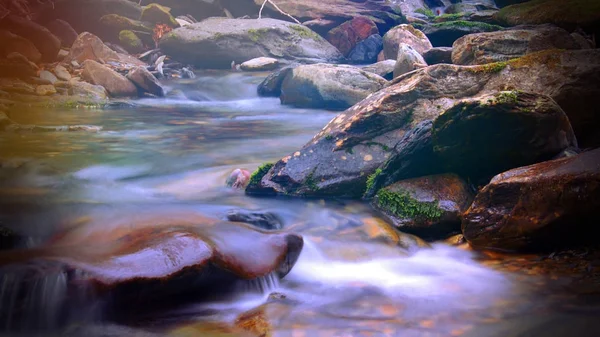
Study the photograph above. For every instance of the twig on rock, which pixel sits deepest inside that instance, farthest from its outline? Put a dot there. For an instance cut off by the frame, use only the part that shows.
(277, 8)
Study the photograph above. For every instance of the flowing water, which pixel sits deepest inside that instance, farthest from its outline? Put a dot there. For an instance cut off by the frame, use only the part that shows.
(173, 155)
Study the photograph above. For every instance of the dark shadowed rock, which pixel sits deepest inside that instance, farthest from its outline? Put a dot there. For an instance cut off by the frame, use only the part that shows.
(443, 34)
(404, 34)
(17, 65)
(216, 42)
(486, 135)
(366, 51)
(438, 55)
(12, 43)
(117, 85)
(504, 45)
(63, 31)
(42, 38)
(545, 206)
(141, 77)
(271, 86)
(384, 69)
(264, 220)
(346, 36)
(335, 87)
(338, 160)
(430, 207)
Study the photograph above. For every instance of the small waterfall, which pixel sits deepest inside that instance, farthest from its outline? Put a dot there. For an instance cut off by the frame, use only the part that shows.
(263, 285)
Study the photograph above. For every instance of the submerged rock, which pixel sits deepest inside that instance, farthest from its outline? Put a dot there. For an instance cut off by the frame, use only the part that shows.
(544, 206)
(216, 42)
(404, 34)
(430, 207)
(335, 87)
(508, 44)
(116, 84)
(264, 220)
(338, 160)
(347, 35)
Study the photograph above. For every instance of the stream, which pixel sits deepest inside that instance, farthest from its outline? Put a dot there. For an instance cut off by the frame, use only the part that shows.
(173, 155)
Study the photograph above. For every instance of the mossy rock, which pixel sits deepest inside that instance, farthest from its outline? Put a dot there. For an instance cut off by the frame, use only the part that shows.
(118, 23)
(130, 41)
(257, 176)
(568, 14)
(158, 14)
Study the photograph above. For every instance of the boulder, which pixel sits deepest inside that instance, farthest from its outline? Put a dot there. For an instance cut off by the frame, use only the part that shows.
(45, 90)
(116, 23)
(89, 47)
(335, 87)
(146, 81)
(84, 15)
(444, 34)
(216, 42)
(429, 207)
(87, 91)
(545, 206)
(347, 35)
(63, 31)
(48, 76)
(115, 84)
(404, 34)
(408, 60)
(12, 43)
(504, 45)
(340, 158)
(384, 69)
(131, 42)
(157, 14)
(47, 44)
(17, 65)
(567, 14)
(438, 55)
(62, 73)
(271, 86)
(485, 135)
(366, 51)
(260, 64)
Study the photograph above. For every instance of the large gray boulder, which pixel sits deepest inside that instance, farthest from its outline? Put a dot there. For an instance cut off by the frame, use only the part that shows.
(504, 45)
(116, 84)
(335, 87)
(340, 158)
(216, 42)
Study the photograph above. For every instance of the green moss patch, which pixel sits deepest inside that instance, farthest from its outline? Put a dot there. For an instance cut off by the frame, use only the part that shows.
(305, 32)
(486, 27)
(402, 205)
(260, 172)
(371, 178)
(426, 11)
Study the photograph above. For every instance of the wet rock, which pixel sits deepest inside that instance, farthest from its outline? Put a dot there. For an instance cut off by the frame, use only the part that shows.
(260, 64)
(430, 207)
(47, 44)
(545, 206)
(508, 44)
(443, 34)
(187, 73)
(84, 15)
(216, 42)
(263, 220)
(88, 91)
(90, 47)
(48, 76)
(271, 86)
(62, 73)
(238, 179)
(404, 34)
(346, 36)
(438, 55)
(63, 31)
(45, 90)
(456, 240)
(366, 51)
(12, 43)
(327, 86)
(117, 85)
(408, 60)
(384, 69)
(157, 14)
(141, 77)
(505, 130)
(340, 158)
(130, 42)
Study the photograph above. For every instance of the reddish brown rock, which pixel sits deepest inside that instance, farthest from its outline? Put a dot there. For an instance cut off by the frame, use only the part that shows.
(89, 47)
(539, 207)
(348, 34)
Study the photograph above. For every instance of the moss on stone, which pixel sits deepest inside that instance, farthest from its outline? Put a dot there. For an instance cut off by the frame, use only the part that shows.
(158, 14)
(402, 205)
(305, 32)
(490, 68)
(371, 178)
(507, 97)
(260, 172)
(467, 24)
(449, 17)
(426, 11)
(310, 181)
(130, 41)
